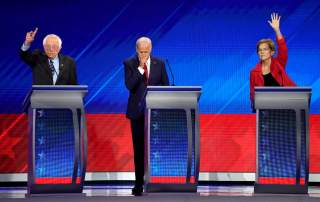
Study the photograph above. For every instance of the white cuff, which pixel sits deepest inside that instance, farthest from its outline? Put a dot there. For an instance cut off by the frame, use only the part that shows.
(25, 47)
(141, 70)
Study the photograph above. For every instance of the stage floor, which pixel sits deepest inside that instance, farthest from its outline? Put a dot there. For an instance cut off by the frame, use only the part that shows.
(123, 194)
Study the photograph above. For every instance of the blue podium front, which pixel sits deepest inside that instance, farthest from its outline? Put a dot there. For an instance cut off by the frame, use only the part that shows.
(172, 142)
(57, 139)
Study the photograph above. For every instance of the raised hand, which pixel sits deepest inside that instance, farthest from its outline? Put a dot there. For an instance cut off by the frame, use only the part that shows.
(275, 24)
(30, 37)
(275, 21)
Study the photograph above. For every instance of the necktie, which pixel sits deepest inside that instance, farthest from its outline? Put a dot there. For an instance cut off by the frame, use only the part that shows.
(145, 75)
(51, 66)
(53, 71)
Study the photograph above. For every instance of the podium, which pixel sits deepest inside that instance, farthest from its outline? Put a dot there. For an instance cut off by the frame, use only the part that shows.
(57, 139)
(282, 147)
(172, 138)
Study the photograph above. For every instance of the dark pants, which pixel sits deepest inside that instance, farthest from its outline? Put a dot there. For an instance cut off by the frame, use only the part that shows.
(137, 130)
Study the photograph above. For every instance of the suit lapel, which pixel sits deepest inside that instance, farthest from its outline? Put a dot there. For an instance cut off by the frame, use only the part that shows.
(136, 63)
(46, 66)
(153, 64)
(61, 68)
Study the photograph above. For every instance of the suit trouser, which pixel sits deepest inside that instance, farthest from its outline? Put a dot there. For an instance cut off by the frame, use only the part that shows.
(137, 130)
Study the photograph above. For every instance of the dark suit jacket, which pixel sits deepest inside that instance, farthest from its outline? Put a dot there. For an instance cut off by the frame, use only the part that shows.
(41, 73)
(136, 86)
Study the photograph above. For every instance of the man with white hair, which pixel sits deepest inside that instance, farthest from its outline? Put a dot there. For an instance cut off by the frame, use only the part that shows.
(49, 67)
(141, 71)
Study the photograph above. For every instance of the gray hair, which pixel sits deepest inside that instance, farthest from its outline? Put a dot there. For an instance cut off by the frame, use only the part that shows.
(143, 39)
(54, 36)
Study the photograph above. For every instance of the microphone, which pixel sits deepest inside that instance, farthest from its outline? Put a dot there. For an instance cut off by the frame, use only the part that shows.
(167, 61)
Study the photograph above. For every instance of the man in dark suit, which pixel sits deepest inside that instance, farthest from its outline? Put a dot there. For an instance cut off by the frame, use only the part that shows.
(140, 71)
(49, 67)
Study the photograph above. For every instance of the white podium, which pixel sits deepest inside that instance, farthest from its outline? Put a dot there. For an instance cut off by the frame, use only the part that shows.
(172, 142)
(282, 148)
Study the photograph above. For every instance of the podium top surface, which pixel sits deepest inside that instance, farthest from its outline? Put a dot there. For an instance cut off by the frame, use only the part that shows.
(59, 87)
(174, 88)
(169, 97)
(282, 89)
(282, 97)
(52, 89)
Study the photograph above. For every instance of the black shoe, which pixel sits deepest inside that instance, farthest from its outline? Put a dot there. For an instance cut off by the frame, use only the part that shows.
(137, 191)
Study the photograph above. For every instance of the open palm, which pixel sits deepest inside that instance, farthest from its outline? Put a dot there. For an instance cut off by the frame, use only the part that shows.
(275, 21)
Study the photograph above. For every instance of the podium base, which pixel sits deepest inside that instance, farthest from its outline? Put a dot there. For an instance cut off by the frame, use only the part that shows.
(56, 195)
(280, 189)
(153, 187)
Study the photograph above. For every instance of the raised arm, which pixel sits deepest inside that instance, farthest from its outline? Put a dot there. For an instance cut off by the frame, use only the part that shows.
(132, 76)
(25, 55)
(282, 47)
(275, 24)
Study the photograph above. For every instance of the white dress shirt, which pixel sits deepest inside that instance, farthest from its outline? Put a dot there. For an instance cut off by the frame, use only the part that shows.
(56, 67)
(141, 70)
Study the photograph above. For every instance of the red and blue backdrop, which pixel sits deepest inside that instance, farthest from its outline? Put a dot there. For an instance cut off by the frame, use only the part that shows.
(208, 43)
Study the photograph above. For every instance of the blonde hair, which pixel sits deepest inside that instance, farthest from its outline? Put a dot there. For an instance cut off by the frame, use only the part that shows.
(269, 42)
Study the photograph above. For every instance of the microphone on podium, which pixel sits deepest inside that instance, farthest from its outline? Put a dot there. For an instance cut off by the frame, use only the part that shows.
(167, 61)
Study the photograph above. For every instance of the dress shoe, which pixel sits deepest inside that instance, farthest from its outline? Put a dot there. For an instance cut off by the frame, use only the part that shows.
(137, 191)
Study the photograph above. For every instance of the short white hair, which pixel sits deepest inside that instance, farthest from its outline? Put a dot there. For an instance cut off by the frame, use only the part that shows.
(53, 36)
(143, 39)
